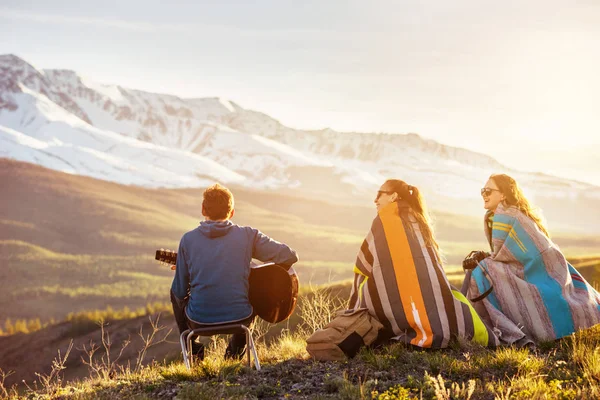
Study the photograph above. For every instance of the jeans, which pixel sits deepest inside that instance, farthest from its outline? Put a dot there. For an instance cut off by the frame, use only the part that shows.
(237, 344)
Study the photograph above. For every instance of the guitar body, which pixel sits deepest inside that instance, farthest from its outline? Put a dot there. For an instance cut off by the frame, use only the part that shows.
(273, 291)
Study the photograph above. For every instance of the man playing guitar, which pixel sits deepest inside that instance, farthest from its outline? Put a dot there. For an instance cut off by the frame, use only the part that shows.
(210, 286)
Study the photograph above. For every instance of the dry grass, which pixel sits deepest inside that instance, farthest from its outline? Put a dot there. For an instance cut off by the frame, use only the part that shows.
(567, 369)
(108, 261)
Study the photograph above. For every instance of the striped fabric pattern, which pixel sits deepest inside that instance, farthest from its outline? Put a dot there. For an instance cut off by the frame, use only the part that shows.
(400, 280)
(536, 290)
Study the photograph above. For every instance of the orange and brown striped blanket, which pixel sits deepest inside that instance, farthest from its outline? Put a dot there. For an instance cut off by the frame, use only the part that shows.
(400, 280)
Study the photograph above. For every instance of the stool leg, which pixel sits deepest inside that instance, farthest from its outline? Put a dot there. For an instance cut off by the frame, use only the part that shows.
(254, 353)
(189, 338)
(184, 350)
(248, 348)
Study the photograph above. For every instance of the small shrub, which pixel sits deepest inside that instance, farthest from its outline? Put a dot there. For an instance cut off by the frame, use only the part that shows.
(4, 391)
(350, 391)
(526, 388)
(287, 346)
(318, 308)
(586, 355)
(455, 391)
(379, 360)
(397, 392)
(176, 372)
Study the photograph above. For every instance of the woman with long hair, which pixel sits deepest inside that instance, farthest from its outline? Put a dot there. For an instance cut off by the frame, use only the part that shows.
(399, 276)
(525, 287)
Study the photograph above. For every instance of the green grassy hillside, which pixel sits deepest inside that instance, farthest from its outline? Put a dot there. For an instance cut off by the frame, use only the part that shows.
(70, 243)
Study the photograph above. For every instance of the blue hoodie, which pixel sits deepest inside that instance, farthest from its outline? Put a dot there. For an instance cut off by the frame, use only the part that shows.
(213, 265)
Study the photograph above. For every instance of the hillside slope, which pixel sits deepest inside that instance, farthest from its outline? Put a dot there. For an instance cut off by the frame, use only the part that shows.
(86, 243)
(70, 243)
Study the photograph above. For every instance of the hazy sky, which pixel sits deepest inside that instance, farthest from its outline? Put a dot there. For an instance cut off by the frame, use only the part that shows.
(518, 80)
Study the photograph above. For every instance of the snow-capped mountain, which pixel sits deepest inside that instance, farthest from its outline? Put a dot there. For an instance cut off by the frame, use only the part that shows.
(58, 119)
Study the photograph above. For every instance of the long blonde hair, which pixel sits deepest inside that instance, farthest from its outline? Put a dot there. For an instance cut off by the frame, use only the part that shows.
(514, 196)
(413, 197)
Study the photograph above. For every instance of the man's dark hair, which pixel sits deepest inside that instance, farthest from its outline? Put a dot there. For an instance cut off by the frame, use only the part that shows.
(217, 202)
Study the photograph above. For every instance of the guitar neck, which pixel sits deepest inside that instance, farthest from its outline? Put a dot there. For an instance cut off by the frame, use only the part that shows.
(170, 257)
(166, 256)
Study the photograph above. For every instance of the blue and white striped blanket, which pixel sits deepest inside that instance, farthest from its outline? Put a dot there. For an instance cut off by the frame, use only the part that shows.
(537, 294)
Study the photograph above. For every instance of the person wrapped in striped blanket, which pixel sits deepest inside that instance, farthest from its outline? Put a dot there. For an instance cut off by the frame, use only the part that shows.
(399, 277)
(536, 294)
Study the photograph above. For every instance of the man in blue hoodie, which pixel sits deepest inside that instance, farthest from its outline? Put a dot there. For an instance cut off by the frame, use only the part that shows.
(213, 266)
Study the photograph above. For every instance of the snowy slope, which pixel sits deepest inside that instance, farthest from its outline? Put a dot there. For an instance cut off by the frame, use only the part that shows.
(50, 135)
(61, 120)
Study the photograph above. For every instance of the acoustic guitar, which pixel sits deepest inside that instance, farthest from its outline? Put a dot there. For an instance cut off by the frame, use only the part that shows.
(273, 291)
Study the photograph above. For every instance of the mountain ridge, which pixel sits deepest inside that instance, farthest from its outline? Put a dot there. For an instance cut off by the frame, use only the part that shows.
(63, 77)
(159, 140)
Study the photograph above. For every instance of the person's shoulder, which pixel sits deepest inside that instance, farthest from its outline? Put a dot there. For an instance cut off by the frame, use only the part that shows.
(247, 229)
(512, 211)
(190, 234)
(250, 231)
(506, 214)
(519, 217)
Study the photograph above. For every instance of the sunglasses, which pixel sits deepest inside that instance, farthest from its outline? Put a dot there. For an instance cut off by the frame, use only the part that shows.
(380, 192)
(488, 191)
